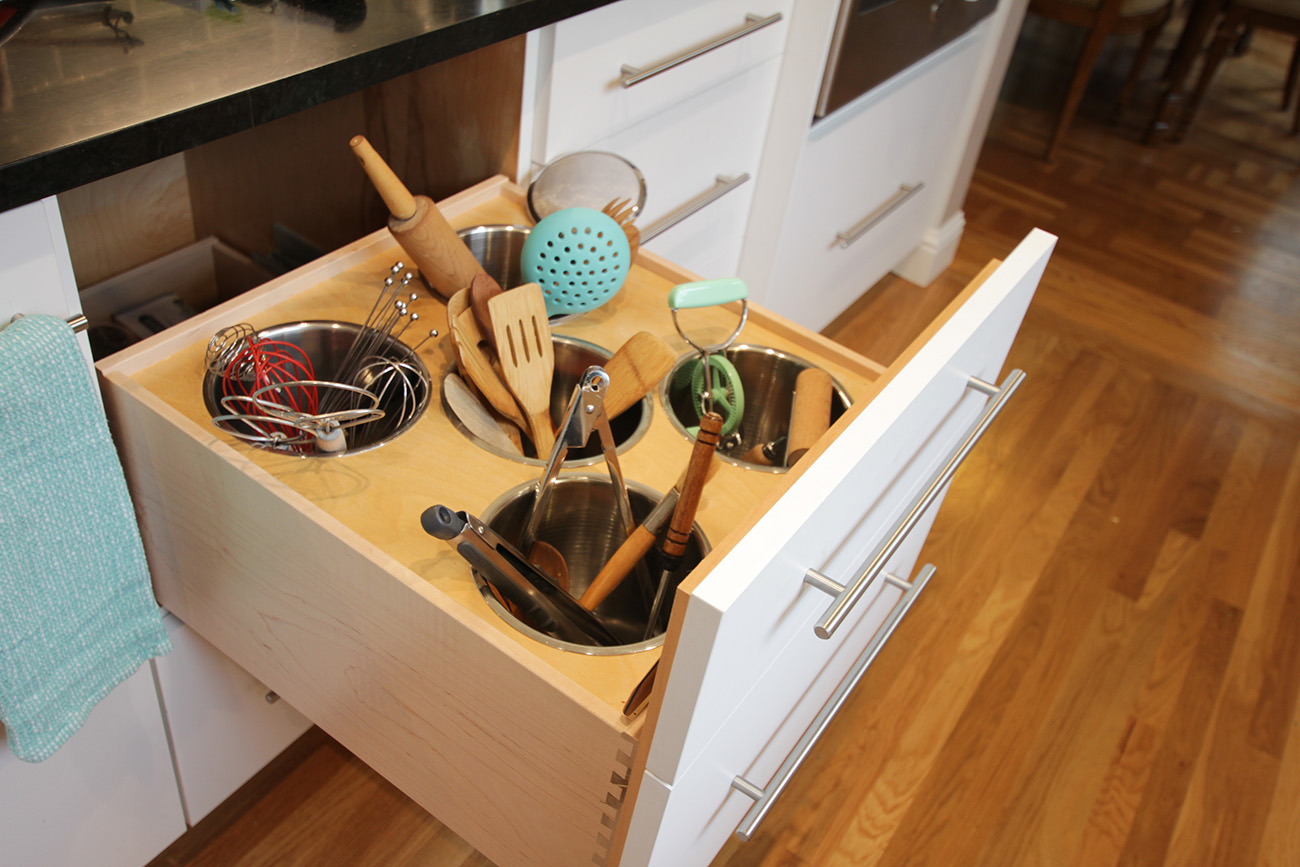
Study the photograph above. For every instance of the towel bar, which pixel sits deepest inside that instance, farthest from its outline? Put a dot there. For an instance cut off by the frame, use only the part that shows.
(79, 322)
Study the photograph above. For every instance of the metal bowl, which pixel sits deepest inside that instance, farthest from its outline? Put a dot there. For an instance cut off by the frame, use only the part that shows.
(499, 249)
(326, 343)
(581, 522)
(767, 376)
(572, 358)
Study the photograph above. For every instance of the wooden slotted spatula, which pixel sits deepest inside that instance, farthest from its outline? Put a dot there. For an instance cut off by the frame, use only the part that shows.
(527, 356)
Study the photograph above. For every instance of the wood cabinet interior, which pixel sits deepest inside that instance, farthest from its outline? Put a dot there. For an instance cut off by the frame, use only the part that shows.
(442, 129)
(315, 576)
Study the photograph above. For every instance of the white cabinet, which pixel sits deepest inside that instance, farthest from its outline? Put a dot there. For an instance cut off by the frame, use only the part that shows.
(867, 184)
(108, 797)
(694, 129)
(224, 725)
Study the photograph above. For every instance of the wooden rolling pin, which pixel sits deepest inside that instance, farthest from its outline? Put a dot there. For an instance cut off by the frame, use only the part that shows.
(419, 227)
(810, 412)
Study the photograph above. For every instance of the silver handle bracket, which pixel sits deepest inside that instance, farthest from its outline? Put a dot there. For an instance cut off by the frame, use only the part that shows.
(722, 185)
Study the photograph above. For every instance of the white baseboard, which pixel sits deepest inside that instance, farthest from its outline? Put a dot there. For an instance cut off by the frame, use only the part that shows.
(935, 253)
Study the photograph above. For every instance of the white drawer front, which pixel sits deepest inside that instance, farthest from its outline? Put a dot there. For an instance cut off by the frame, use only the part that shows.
(587, 100)
(702, 808)
(223, 729)
(684, 152)
(853, 167)
(754, 603)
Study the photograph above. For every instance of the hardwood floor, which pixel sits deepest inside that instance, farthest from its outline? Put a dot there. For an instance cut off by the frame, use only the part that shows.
(1106, 668)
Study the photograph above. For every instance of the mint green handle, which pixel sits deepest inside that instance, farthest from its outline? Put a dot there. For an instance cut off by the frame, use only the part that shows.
(707, 293)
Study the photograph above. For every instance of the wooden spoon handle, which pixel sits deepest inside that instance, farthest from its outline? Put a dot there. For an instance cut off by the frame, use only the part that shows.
(618, 567)
(697, 471)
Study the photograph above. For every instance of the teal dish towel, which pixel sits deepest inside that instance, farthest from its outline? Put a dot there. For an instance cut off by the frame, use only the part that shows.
(77, 612)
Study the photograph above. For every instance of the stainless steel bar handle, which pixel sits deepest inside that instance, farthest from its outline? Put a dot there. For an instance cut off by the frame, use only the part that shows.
(905, 192)
(854, 590)
(722, 185)
(632, 75)
(766, 796)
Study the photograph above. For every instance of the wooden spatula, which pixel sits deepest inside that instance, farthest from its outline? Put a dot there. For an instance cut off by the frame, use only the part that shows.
(637, 367)
(475, 364)
(527, 357)
(481, 291)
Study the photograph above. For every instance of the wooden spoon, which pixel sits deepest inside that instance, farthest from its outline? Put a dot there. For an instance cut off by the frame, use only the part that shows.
(476, 419)
(475, 364)
(548, 558)
(482, 290)
(637, 367)
(527, 357)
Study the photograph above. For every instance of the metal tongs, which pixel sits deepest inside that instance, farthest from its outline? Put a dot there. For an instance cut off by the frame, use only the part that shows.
(585, 415)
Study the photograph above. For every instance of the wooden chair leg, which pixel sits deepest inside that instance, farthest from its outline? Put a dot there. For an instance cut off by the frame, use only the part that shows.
(1223, 40)
(1078, 84)
(1147, 45)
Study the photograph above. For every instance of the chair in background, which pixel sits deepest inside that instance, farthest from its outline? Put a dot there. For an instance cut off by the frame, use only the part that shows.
(1102, 19)
(1282, 15)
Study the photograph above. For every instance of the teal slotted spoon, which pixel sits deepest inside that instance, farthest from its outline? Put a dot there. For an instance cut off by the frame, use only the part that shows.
(579, 256)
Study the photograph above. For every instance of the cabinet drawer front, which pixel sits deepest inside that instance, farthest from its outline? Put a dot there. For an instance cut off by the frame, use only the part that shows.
(225, 726)
(855, 165)
(702, 809)
(754, 603)
(588, 102)
(692, 151)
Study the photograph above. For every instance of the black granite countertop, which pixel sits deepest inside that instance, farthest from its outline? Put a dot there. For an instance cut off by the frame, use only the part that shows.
(93, 89)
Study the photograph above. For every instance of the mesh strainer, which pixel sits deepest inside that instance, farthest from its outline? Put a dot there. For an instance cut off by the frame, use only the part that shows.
(579, 256)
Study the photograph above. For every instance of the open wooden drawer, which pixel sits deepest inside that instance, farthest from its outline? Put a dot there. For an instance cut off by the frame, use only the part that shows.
(316, 577)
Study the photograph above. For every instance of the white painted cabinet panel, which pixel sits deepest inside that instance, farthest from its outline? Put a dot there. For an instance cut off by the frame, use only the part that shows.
(223, 728)
(854, 164)
(108, 797)
(588, 103)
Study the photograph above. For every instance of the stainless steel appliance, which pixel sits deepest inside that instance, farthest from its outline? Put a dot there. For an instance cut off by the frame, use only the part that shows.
(876, 39)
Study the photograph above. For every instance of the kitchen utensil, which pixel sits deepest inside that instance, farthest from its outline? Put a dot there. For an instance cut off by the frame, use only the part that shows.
(483, 289)
(635, 547)
(585, 415)
(624, 212)
(586, 179)
(550, 561)
(722, 390)
(679, 528)
(537, 599)
(527, 357)
(474, 416)
(475, 363)
(640, 696)
(419, 227)
(710, 293)
(635, 368)
(579, 256)
(499, 249)
(810, 412)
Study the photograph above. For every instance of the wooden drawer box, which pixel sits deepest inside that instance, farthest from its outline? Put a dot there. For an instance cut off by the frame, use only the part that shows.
(315, 576)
